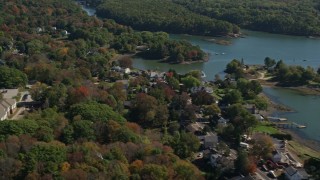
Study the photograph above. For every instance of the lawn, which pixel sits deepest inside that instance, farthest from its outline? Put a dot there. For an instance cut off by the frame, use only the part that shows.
(265, 127)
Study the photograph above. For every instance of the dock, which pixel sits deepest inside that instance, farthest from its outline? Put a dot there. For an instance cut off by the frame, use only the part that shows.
(289, 125)
(284, 123)
(277, 118)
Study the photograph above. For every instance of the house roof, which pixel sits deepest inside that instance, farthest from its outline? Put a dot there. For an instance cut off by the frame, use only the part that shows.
(211, 138)
(195, 127)
(4, 106)
(291, 170)
(10, 101)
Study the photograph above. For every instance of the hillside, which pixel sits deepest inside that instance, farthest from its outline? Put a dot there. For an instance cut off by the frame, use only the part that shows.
(293, 17)
(162, 15)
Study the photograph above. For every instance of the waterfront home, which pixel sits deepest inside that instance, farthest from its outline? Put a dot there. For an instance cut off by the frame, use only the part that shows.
(280, 157)
(296, 174)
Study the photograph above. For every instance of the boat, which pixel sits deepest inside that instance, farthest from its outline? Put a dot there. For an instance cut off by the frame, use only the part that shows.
(203, 75)
(223, 53)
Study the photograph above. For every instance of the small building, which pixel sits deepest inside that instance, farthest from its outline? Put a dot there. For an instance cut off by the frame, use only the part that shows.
(295, 174)
(65, 32)
(39, 29)
(222, 121)
(7, 107)
(208, 90)
(127, 71)
(280, 157)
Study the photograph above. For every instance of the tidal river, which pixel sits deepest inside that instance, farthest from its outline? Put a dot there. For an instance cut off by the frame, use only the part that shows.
(253, 49)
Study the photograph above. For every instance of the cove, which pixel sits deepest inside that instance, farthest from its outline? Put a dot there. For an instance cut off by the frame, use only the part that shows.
(253, 49)
(305, 107)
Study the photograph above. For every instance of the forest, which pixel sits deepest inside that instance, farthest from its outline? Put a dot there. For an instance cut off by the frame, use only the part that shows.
(81, 129)
(159, 15)
(292, 17)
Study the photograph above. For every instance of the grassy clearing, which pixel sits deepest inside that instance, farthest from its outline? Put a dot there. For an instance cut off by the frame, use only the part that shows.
(265, 127)
(302, 151)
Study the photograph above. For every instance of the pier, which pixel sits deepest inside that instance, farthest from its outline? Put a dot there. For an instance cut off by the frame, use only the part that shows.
(277, 118)
(284, 123)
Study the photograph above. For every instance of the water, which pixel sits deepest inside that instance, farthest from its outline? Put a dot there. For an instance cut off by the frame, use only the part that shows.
(253, 49)
(306, 109)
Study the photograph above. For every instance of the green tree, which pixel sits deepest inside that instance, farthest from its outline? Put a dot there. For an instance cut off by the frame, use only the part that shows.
(12, 78)
(232, 97)
(45, 158)
(185, 144)
(83, 129)
(153, 172)
(190, 81)
(268, 62)
(94, 111)
(144, 109)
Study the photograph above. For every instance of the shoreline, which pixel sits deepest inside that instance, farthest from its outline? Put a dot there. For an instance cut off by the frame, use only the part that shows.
(297, 139)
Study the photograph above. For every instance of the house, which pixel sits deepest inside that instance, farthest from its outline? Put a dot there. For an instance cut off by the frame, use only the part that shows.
(156, 75)
(127, 71)
(7, 106)
(39, 29)
(12, 104)
(201, 88)
(280, 157)
(194, 127)
(222, 121)
(294, 174)
(3, 114)
(116, 68)
(65, 32)
(210, 140)
(222, 162)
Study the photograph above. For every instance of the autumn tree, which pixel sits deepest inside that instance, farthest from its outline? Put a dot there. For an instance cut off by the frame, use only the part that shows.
(125, 62)
(263, 146)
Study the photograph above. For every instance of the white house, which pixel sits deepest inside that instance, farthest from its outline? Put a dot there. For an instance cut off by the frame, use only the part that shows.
(3, 114)
(7, 107)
